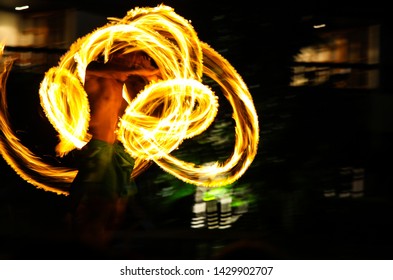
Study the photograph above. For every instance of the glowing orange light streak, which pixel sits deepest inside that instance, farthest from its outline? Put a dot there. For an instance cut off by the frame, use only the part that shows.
(27, 165)
(186, 107)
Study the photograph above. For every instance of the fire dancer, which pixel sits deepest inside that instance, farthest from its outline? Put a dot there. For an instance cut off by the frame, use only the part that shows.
(102, 189)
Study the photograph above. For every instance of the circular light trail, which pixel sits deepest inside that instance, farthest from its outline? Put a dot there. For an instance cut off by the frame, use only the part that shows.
(165, 113)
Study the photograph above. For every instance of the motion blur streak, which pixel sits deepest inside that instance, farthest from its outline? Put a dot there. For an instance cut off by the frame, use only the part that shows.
(165, 113)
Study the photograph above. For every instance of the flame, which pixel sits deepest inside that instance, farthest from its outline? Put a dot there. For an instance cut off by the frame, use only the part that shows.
(165, 113)
(27, 165)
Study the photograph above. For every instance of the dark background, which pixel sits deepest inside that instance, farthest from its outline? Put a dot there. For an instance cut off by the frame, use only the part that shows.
(312, 140)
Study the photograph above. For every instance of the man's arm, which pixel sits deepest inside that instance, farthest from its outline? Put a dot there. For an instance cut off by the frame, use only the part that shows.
(118, 72)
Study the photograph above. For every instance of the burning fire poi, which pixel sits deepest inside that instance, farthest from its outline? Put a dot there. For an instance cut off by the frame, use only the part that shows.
(187, 106)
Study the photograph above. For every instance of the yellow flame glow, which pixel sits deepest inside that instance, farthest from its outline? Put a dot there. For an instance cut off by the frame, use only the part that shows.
(165, 113)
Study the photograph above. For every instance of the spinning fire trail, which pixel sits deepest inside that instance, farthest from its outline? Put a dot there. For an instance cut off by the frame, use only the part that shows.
(187, 106)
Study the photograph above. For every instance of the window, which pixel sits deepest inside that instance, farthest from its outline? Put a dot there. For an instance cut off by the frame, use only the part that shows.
(343, 58)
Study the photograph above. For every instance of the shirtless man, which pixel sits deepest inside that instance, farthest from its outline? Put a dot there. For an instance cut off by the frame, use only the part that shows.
(103, 186)
(104, 84)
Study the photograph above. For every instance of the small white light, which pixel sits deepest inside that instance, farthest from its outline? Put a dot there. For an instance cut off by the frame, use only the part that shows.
(20, 8)
(320, 25)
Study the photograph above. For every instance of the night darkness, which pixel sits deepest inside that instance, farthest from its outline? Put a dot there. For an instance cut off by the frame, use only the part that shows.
(315, 140)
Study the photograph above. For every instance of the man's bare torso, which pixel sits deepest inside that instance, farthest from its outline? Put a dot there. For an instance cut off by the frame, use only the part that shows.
(104, 86)
(106, 106)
